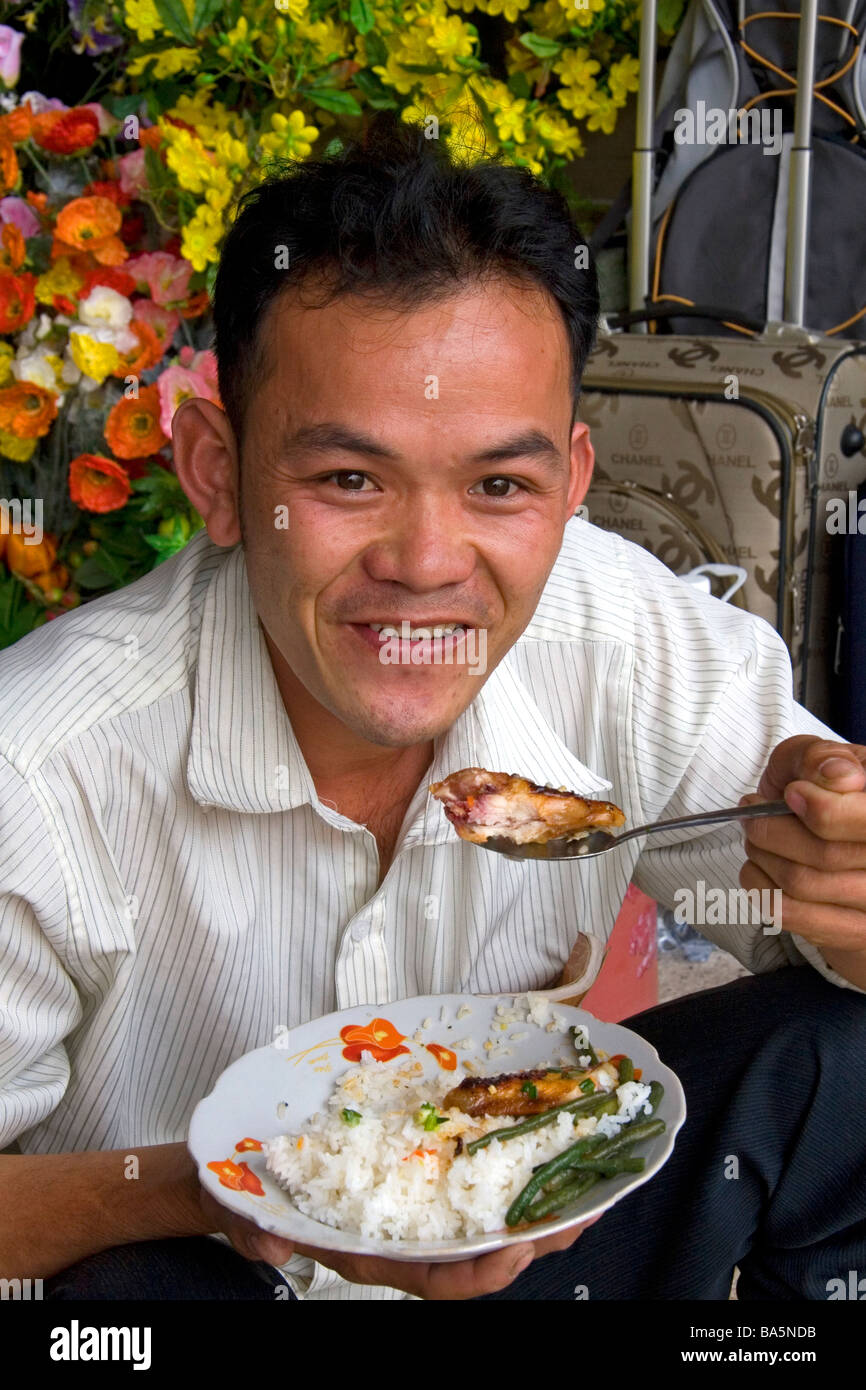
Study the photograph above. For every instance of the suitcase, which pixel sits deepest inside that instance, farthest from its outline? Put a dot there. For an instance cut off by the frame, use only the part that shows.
(731, 449)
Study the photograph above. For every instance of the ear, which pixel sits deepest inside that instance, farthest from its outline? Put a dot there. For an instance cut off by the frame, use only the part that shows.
(582, 464)
(205, 459)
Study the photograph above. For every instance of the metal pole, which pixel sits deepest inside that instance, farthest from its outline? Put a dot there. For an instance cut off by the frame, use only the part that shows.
(801, 169)
(642, 167)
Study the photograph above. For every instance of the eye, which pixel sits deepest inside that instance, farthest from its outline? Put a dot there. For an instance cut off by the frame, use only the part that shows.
(349, 482)
(498, 487)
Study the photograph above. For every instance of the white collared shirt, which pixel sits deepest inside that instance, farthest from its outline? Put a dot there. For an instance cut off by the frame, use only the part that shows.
(173, 891)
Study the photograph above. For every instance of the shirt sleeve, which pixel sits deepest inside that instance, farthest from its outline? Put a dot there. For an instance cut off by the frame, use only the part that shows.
(39, 1005)
(713, 696)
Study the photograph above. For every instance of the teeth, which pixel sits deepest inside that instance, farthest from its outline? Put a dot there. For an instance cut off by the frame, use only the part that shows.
(417, 634)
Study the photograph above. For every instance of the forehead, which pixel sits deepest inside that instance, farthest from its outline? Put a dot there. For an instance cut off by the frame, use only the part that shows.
(498, 334)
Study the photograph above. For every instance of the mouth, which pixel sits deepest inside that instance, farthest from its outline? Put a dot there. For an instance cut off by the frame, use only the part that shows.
(443, 633)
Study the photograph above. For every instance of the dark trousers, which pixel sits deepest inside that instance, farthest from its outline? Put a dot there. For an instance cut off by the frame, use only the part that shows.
(768, 1171)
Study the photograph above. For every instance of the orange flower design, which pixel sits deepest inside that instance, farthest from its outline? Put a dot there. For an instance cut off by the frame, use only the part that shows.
(12, 247)
(27, 410)
(88, 223)
(98, 484)
(444, 1056)
(238, 1176)
(9, 170)
(17, 300)
(379, 1038)
(132, 429)
(30, 560)
(246, 1144)
(66, 132)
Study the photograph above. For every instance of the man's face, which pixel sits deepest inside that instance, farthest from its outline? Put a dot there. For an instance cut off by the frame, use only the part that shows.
(407, 467)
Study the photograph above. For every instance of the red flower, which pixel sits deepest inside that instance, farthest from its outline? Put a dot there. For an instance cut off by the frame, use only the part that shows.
(238, 1176)
(379, 1038)
(66, 132)
(132, 229)
(65, 305)
(112, 276)
(444, 1056)
(106, 188)
(98, 484)
(17, 300)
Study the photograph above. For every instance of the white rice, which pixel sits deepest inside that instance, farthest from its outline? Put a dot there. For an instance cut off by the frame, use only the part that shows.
(385, 1176)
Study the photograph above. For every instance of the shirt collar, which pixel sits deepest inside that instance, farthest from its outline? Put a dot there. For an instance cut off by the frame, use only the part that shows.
(243, 752)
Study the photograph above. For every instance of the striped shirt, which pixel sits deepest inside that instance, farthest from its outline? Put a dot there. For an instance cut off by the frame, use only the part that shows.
(173, 890)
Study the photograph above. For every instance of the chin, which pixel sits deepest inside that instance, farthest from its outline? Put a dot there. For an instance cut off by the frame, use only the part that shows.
(401, 724)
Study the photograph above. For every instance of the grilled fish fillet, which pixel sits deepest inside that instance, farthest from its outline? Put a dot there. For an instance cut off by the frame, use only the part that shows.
(481, 805)
(505, 1095)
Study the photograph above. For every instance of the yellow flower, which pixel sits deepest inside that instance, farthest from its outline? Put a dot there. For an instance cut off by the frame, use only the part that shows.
(557, 134)
(450, 38)
(584, 15)
(6, 356)
(60, 279)
(93, 354)
(14, 448)
(143, 18)
(292, 9)
(603, 115)
(576, 68)
(210, 118)
(510, 9)
(509, 116)
(238, 38)
(166, 63)
(201, 236)
(187, 158)
(467, 140)
(623, 78)
(291, 137)
(326, 37)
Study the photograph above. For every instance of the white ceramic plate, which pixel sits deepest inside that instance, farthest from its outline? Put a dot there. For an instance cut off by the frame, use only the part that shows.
(276, 1089)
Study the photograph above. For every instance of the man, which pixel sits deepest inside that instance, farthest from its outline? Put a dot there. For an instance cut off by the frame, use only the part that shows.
(215, 811)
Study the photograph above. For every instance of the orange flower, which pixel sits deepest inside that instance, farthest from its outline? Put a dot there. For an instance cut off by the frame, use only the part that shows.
(379, 1038)
(50, 580)
(66, 132)
(30, 560)
(16, 124)
(17, 300)
(444, 1056)
(149, 351)
(12, 246)
(238, 1176)
(246, 1144)
(39, 201)
(196, 304)
(88, 223)
(27, 410)
(9, 171)
(132, 429)
(150, 136)
(98, 484)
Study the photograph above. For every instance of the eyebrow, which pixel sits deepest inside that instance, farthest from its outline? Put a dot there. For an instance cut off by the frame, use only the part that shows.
(326, 437)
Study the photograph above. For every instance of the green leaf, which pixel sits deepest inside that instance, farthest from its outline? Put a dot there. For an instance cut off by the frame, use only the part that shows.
(351, 1117)
(375, 91)
(518, 83)
(422, 67)
(669, 14)
(205, 13)
(121, 106)
(174, 17)
(93, 574)
(540, 46)
(332, 99)
(376, 51)
(362, 16)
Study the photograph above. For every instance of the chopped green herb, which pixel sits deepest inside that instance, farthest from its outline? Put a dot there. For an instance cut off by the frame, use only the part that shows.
(428, 1119)
(530, 1089)
(351, 1117)
(588, 1086)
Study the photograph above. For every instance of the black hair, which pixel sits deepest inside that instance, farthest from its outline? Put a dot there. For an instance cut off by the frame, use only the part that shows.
(392, 214)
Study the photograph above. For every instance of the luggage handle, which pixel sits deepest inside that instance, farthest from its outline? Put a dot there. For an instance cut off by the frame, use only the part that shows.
(695, 311)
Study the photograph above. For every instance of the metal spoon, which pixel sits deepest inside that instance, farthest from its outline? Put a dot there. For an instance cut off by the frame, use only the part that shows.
(589, 846)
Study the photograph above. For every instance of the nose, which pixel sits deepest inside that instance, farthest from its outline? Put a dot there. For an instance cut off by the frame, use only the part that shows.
(424, 548)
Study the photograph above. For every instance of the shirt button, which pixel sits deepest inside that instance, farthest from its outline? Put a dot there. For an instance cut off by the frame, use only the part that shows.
(360, 931)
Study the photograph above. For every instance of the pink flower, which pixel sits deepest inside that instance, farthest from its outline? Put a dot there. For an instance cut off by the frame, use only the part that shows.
(39, 103)
(15, 210)
(107, 122)
(133, 177)
(10, 54)
(178, 384)
(164, 322)
(204, 363)
(166, 276)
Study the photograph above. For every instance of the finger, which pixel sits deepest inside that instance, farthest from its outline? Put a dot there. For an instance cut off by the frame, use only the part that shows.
(459, 1279)
(788, 837)
(810, 885)
(246, 1237)
(805, 757)
(547, 1245)
(819, 923)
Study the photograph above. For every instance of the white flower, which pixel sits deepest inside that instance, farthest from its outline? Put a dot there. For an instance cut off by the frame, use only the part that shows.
(70, 373)
(44, 326)
(105, 308)
(33, 366)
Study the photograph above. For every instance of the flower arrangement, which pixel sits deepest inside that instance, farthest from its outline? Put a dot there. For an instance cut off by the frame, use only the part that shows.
(112, 213)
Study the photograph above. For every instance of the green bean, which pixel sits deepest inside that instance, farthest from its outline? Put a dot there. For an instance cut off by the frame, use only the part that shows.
(657, 1090)
(588, 1051)
(552, 1201)
(608, 1168)
(585, 1105)
(631, 1133)
(626, 1070)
